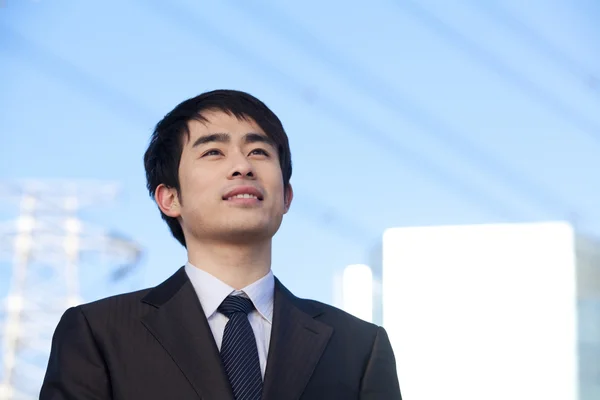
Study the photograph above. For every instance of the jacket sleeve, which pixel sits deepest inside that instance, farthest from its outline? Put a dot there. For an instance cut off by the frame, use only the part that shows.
(380, 380)
(76, 368)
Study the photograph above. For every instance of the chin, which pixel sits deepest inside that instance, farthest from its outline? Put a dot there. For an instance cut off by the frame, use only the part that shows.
(246, 232)
(240, 229)
(246, 236)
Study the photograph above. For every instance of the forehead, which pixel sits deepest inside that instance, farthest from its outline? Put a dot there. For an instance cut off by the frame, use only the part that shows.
(221, 122)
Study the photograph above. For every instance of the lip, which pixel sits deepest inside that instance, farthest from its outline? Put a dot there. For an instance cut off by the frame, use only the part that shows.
(244, 190)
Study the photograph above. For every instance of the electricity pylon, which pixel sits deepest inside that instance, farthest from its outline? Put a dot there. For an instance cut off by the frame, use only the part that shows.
(47, 245)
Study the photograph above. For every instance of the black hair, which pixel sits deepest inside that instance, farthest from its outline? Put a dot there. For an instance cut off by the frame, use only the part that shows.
(162, 158)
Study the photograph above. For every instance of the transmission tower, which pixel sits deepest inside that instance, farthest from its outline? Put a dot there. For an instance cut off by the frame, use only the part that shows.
(47, 245)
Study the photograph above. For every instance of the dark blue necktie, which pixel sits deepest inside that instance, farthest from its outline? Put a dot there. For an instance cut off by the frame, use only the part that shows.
(238, 349)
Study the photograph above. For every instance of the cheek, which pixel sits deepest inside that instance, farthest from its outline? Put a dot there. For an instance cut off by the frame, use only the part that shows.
(195, 188)
(276, 185)
(281, 199)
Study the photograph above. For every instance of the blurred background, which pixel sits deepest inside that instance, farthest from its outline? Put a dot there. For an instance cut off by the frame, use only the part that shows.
(401, 114)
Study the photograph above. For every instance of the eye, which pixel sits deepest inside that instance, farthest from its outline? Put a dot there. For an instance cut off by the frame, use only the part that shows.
(261, 152)
(212, 153)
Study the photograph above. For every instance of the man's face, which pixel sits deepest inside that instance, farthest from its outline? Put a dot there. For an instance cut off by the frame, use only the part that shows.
(231, 182)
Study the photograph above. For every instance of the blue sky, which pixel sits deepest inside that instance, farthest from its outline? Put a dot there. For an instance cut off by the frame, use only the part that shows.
(399, 113)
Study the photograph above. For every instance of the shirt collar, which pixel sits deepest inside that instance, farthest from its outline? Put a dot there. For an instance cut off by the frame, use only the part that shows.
(211, 291)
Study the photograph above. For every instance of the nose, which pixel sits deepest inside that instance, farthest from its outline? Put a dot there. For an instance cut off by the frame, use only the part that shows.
(242, 168)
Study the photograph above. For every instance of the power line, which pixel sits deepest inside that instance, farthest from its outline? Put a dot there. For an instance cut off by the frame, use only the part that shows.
(502, 15)
(204, 29)
(129, 108)
(117, 102)
(495, 64)
(379, 90)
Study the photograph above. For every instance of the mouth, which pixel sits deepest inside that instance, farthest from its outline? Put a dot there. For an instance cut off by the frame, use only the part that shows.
(242, 196)
(244, 193)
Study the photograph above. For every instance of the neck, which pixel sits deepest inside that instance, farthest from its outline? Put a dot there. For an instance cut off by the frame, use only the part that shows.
(234, 264)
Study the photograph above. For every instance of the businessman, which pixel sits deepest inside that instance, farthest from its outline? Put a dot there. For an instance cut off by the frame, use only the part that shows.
(222, 326)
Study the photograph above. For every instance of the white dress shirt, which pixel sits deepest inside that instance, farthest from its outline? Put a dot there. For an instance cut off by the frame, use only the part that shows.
(211, 293)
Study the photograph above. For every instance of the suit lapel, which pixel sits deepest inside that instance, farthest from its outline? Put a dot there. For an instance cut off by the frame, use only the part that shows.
(180, 326)
(297, 343)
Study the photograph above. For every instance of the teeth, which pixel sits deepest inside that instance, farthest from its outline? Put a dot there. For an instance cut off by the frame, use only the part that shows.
(244, 196)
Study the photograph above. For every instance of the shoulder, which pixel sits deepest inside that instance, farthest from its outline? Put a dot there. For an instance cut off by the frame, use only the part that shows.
(125, 305)
(108, 313)
(351, 337)
(338, 318)
(137, 302)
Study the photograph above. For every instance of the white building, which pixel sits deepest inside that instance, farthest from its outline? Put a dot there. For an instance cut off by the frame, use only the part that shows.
(490, 312)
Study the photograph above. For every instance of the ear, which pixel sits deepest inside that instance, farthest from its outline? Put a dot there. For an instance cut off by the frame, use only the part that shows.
(288, 196)
(167, 200)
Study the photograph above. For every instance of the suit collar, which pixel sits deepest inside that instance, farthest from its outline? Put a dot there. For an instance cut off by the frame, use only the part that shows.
(179, 325)
(297, 343)
(297, 340)
(166, 290)
(312, 308)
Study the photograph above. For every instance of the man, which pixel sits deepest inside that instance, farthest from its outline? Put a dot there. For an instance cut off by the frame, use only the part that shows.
(222, 327)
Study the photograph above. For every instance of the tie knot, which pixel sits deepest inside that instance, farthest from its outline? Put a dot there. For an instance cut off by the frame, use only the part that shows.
(235, 304)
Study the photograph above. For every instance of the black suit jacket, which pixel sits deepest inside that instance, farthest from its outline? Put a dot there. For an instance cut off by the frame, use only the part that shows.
(157, 344)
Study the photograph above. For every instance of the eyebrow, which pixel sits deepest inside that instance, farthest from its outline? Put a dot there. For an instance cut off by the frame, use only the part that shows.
(251, 137)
